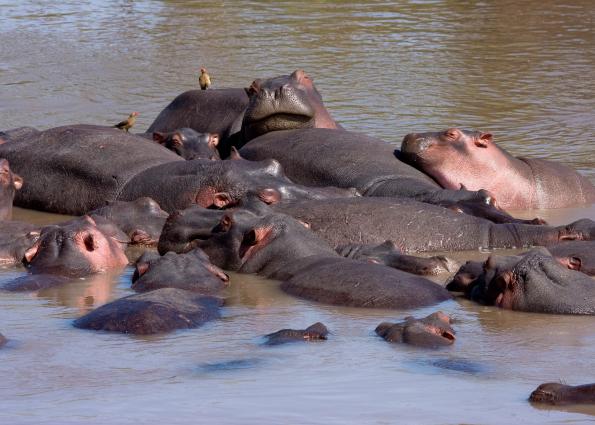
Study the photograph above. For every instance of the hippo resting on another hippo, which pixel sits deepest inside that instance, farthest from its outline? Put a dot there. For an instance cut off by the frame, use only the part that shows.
(75, 249)
(559, 394)
(9, 184)
(217, 111)
(534, 282)
(458, 158)
(190, 144)
(142, 219)
(74, 169)
(161, 310)
(280, 247)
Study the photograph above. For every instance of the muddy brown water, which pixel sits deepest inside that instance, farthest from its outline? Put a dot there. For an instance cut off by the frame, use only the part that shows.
(521, 70)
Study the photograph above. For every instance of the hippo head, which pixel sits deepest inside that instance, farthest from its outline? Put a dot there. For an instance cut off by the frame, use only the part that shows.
(431, 331)
(9, 184)
(287, 102)
(190, 144)
(536, 283)
(77, 248)
(454, 158)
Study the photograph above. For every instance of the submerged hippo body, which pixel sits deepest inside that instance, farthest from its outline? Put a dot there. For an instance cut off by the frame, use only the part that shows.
(471, 158)
(560, 394)
(161, 310)
(315, 332)
(9, 184)
(431, 331)
(534, 282)
(74, 169)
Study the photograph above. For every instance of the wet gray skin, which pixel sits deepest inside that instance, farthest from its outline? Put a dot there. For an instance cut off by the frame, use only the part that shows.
(534, 283)
(315, 332)
(431, 331)
(560, 394)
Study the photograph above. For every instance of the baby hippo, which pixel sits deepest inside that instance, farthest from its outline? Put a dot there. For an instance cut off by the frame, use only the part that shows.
(190, 144)
(431, 331)
(471, 160)
(555, 393)
(316, 332)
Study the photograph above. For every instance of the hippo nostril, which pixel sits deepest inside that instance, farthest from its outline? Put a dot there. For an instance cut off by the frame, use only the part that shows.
(89, 242)
(448, 335)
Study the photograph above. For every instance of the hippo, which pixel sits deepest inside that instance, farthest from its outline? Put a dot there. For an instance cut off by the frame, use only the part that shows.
(339, 158)
(457, 158)
(389, 255)
(9, 184)
(431, 331)
(315, 332)
(2, 340)
(158, 311)
(190, 144)
(142, 219)
(421, 227)
(561, 394)
(75, 169)
(78, 248)
(282, 248)
(287, 102)
(534, 282)
(191, 271)
(15, 239)
(215, 111)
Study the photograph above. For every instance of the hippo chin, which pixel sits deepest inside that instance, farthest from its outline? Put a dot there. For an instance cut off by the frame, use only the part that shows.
(560, 394)
(431, 331)
(517, 183)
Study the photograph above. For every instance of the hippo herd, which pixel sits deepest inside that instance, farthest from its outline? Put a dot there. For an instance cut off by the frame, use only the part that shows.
(263, 180)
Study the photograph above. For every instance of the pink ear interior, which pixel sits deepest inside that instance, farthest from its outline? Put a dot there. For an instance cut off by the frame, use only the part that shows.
(483, 140)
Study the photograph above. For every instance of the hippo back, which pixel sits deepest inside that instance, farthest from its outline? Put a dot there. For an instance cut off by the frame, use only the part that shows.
(74, 169)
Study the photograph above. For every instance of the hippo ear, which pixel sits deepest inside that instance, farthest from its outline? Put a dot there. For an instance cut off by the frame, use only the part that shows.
(213, 140)
(159, 137)
(269, 196)
(573, 263)
(483, 140)
(235, 155)
(177, 139)
(222, 199)
(490, 263)
(17, 181)
(32, 252)
(251, 238)
(89, 220)
(225, 223)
